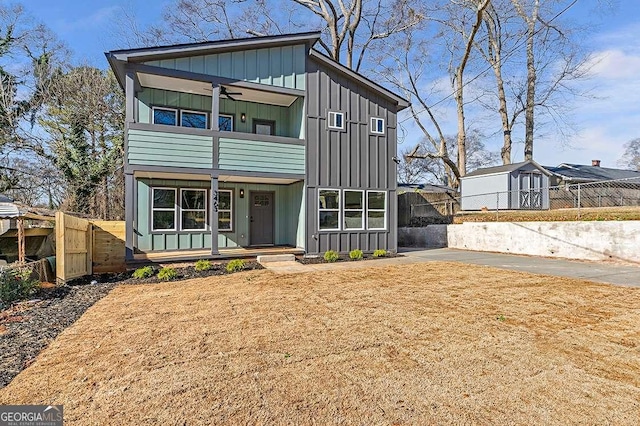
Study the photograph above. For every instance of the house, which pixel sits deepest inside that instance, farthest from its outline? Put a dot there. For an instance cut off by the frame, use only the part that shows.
(518, 186)
(568, 174)
(593, 186)
(256, 142)
(425, 204)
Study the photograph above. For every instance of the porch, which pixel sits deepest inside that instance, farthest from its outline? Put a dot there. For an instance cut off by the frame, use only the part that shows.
(224, 253)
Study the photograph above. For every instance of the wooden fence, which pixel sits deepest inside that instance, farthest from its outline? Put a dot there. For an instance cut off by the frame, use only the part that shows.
(84, 247)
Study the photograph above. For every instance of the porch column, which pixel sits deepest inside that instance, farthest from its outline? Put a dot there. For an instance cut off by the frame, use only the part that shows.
(130, 94)
(214, 215)
(129, 213)
(215, 107)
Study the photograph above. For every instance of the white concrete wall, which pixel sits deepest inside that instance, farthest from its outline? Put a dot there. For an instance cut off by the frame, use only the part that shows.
(573, 240)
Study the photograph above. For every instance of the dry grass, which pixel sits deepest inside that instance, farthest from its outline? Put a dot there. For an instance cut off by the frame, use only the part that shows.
(560, 215)
(430, 343)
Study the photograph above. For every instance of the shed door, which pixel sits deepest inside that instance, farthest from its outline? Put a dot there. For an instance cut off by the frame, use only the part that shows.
(530, 190)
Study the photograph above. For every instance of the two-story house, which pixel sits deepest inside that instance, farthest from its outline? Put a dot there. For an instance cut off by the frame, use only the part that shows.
(257, 142)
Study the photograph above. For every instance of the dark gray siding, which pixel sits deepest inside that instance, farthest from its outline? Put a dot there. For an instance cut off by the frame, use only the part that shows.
(349, 159)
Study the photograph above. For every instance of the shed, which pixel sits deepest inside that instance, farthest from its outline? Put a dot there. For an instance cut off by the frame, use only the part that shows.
(518, 186)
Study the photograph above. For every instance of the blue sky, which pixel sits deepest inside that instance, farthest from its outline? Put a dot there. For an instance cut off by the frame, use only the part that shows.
(604, 122)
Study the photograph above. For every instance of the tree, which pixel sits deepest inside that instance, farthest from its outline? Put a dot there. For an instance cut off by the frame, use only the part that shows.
(631, 157)
(84, 119)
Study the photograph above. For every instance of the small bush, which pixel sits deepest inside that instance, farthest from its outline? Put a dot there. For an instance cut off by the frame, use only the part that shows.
(355, 254)
(16, 284)
(331, 256)
(203, 265)
(380, 253)
(167, 274)
(236, 265)
(144, 272)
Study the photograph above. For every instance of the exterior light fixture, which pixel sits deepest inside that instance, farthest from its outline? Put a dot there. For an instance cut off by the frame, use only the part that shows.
(243, 117)
(242, 190)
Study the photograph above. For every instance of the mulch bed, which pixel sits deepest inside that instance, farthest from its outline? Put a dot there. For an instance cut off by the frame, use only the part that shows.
(28, 327)
(342, 258)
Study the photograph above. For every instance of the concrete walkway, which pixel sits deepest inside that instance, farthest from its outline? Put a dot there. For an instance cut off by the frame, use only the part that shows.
(591, 271)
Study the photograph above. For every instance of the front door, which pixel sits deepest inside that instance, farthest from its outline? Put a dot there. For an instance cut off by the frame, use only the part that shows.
(261, 219)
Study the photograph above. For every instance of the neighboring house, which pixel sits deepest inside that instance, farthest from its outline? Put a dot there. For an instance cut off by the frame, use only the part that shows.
(568, 174)
(518, 186)
(425, 204)
(255, 142)
(8, 210)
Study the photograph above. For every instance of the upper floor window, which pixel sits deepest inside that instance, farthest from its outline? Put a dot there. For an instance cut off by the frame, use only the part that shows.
(166, 116)
(194, 119)
(225, 122)
(264, 127)
(377, 125)
(336, 120)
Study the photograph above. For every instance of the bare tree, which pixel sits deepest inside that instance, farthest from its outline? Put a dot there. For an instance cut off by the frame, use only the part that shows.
(631, 157)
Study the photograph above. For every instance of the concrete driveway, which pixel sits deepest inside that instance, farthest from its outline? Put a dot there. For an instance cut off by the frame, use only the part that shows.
(610, 273)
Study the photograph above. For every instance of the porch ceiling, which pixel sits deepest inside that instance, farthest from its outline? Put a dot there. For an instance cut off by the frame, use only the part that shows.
(175, 84)
(251, 179)
(176, 176)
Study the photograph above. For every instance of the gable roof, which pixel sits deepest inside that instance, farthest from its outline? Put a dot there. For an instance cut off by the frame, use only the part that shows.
(585, 173)
(507, 168)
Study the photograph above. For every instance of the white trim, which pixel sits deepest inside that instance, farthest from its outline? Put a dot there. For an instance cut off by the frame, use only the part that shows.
(386, 203)
(153, 116)
(374, 129)
(206, 227)
(230, 210)
(335, 114)
(189, 111)
(164, 209)
(345, 210)
(339, 209)
(232, 117)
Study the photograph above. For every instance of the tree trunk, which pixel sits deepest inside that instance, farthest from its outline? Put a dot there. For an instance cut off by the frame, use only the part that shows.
(531, 84)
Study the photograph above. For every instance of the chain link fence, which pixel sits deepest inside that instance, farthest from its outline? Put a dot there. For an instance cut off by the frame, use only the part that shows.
(604, 195)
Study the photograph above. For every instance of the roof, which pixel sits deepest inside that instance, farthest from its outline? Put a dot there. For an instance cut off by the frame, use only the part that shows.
(118, 58)
(506, 168)
(8, 210)
(426, 187)
(584, 173)
(5, 199)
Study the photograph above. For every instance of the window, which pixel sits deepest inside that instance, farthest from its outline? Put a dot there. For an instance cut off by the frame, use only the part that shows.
(376, 210)
(193, 209)
(377, 125)
(353, 209)
(336, 120)
(193, 119)
(264, 127)
(163, 209)
(225, 122)
(225, 217)
(329, 209)
(165, 116)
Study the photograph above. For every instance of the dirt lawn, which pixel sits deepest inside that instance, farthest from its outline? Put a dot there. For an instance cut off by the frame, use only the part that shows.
(430, 343)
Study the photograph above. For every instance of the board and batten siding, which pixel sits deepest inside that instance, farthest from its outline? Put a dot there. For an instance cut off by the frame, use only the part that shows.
(257, 156)
(276, 66)
(154, 148)
(350, 159)
(289, 217)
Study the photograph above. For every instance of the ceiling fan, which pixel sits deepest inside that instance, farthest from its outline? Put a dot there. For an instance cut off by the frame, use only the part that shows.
(229, 95)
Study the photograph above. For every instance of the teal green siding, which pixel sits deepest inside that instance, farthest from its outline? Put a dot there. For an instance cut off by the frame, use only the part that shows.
(147, 241)
(289, 121)
(276, 66)
(153, 148)
(254, 156)
(289, 217)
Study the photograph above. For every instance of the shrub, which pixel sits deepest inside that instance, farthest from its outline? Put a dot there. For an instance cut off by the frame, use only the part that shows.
(331, 256)
(16, 284)
(167, 274)
(355, 254)
(236, 265)
(380, 253)
(203, 265)
(144, 272)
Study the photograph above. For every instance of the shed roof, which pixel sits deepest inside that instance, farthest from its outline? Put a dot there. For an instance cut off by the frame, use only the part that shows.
(506, 168)
(585, 173)
(8, 210)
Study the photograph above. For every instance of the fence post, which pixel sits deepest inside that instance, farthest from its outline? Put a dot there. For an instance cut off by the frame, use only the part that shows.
(579, 202)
